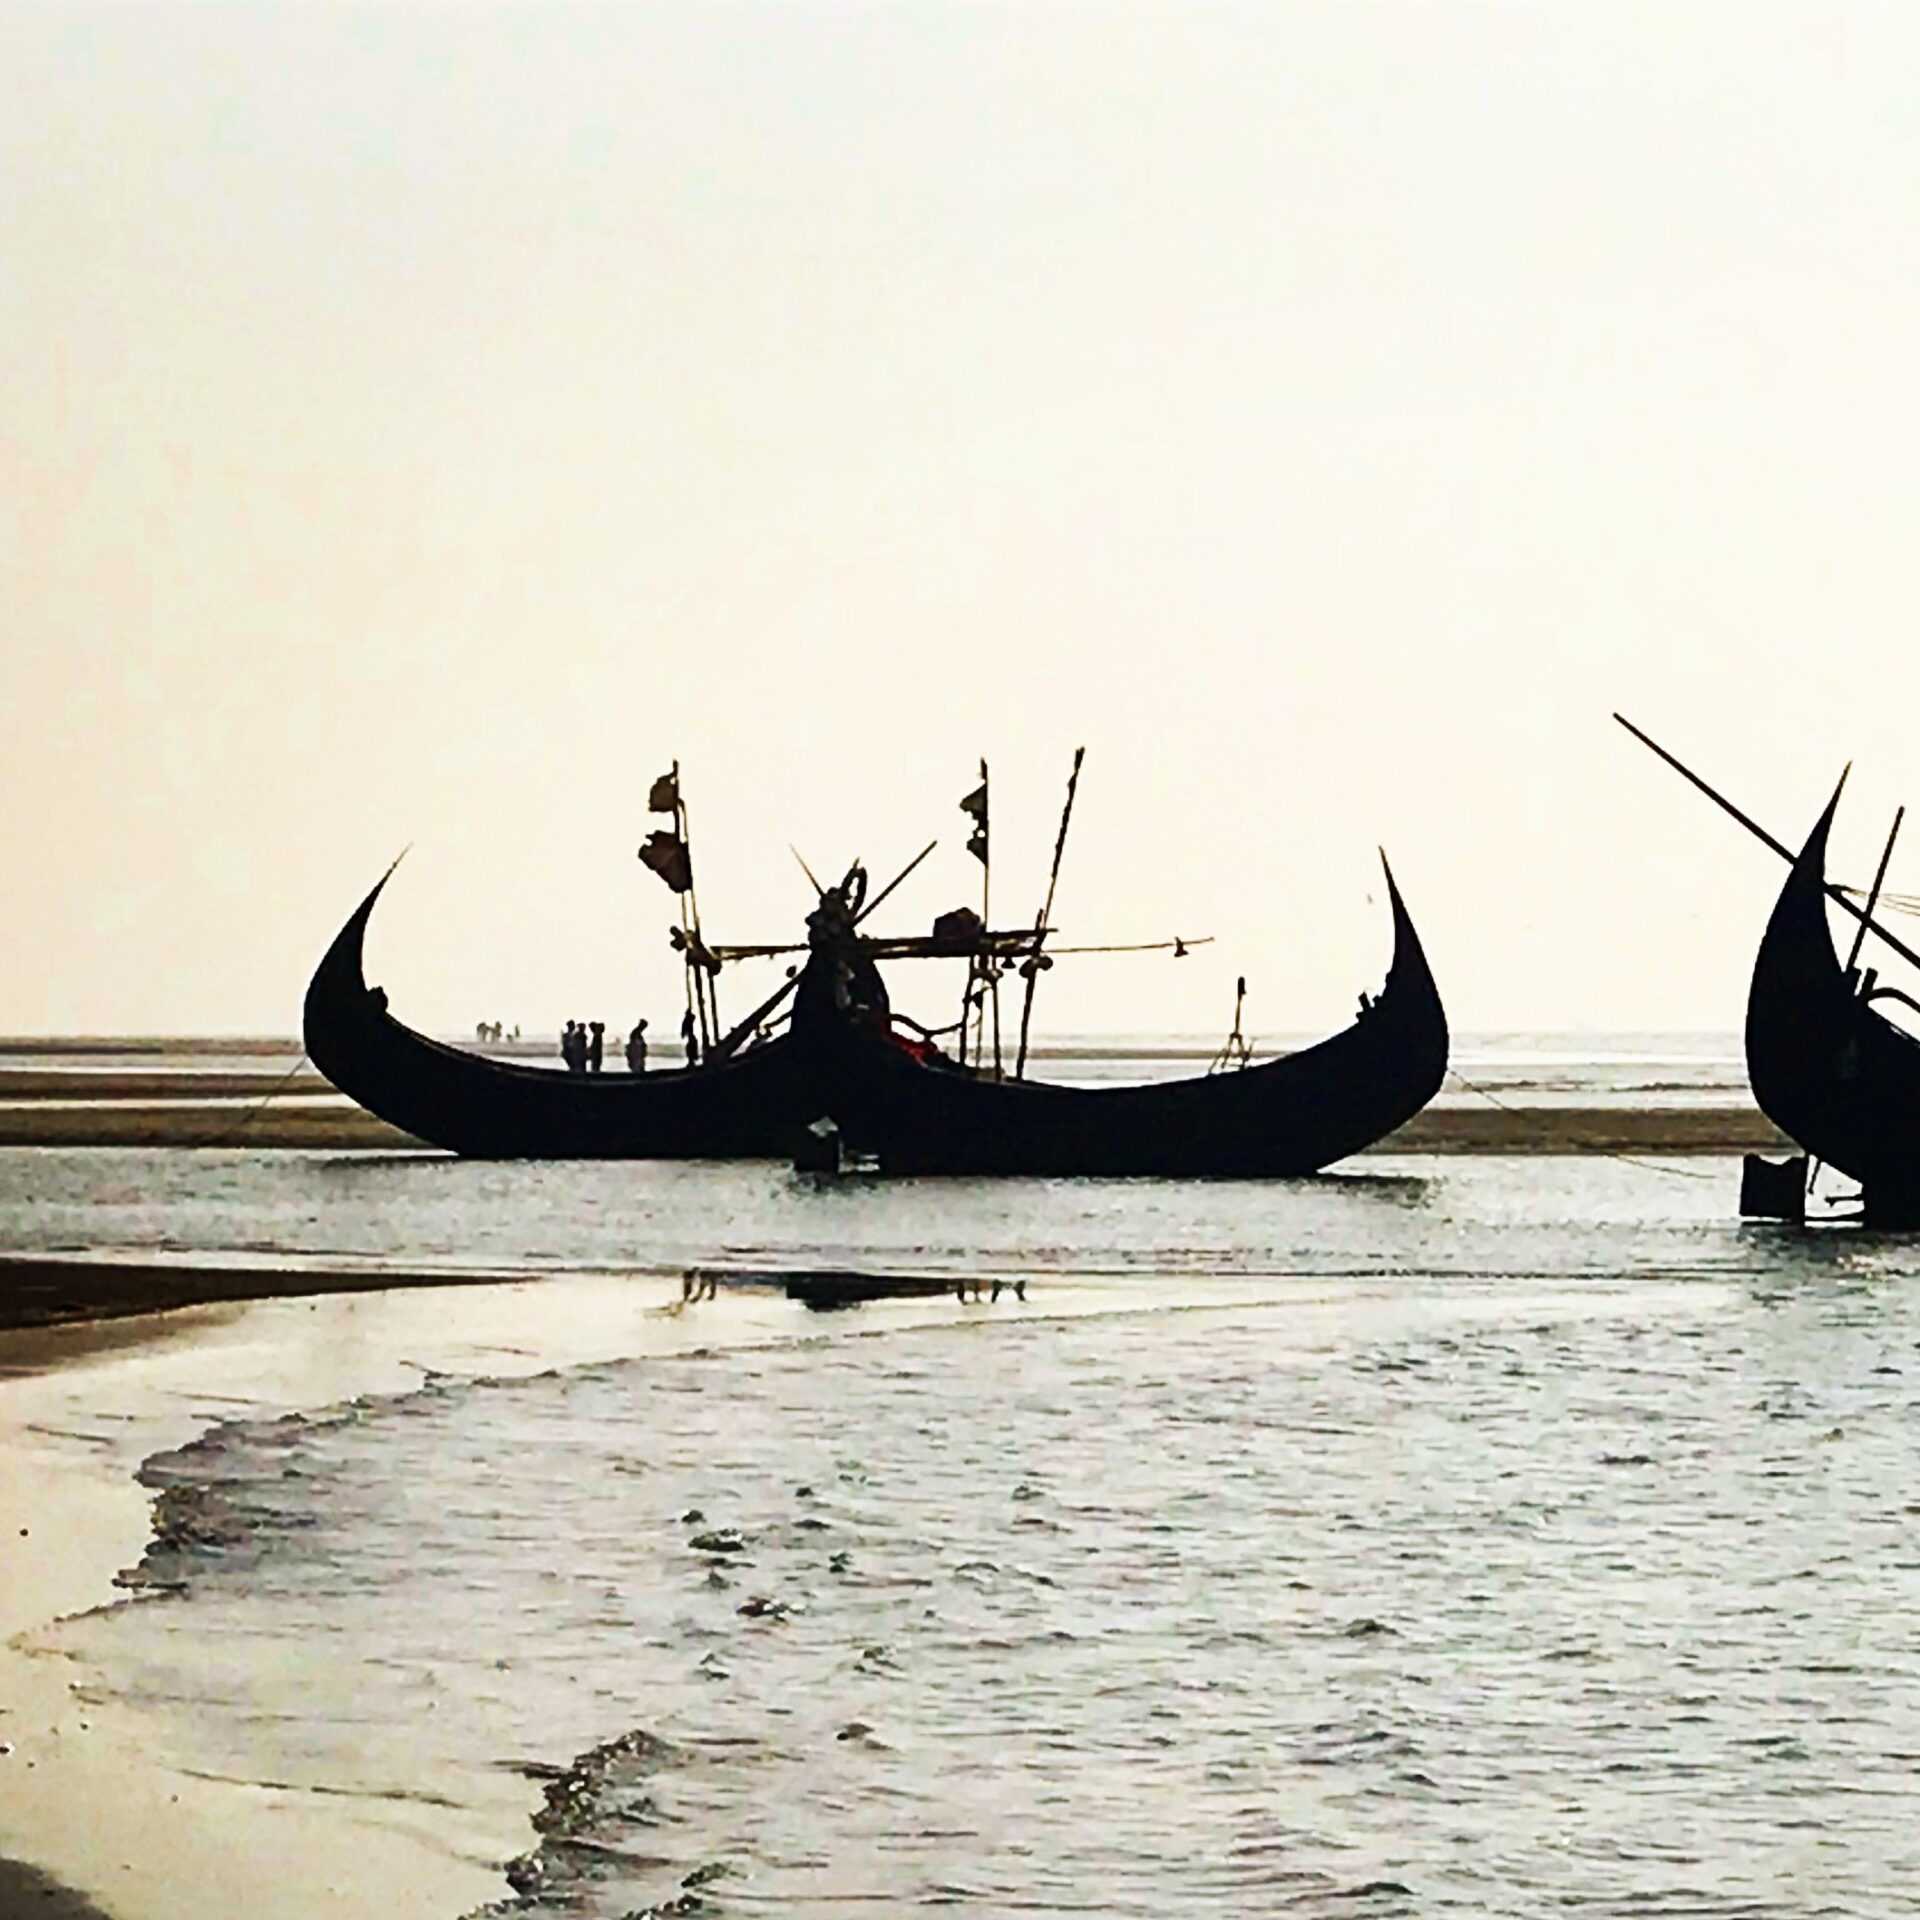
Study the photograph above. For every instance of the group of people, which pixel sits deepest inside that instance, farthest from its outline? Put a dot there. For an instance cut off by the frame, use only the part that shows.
(583, 1046)
(491, 1032)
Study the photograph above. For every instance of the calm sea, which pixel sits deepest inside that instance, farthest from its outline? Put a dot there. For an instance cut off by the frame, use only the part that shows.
(1456, 1536)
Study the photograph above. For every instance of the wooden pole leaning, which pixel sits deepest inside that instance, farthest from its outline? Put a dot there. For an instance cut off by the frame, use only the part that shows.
(1044, 923)
(1837, 894)
(1873, 893)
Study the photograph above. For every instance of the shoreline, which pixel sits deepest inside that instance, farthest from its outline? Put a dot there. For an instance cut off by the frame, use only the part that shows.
(39, 1291)
(1731, 1127)
(103, 1363)
(97, 1824)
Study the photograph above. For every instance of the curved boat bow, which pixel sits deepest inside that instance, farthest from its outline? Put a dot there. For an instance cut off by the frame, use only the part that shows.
(746, 1107)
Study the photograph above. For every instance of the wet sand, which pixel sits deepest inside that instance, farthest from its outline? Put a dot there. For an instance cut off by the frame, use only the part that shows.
(1730, 1128)
(42, 1291)
(28, 1895)
(311, 1128)
(81, 1405)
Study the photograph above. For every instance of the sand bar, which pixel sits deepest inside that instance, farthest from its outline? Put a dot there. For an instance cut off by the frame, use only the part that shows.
(1734, 1127)
(51, 1290)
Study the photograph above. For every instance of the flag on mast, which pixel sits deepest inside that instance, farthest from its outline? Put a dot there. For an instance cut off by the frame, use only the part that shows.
(664, 795)
(975, 804)
(666, 854)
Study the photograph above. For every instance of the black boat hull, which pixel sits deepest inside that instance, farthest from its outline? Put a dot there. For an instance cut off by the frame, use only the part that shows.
(1831, 1073)
(1291, 1116)
(750, 1107)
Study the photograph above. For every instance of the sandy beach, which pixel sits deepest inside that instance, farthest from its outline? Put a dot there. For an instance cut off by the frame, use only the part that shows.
(81, 1405)
(1481, 1128)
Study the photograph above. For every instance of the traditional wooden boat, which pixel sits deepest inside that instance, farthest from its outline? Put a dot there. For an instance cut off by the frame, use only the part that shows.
(912, 1108)
(917, 1112)
(848, 1074)
(1828, 1069)
(750, 1105)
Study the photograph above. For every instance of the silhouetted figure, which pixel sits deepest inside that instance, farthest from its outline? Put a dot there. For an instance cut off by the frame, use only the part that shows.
(596, 1045)
(573, 1047)
(691, 1038)
(637, 1048)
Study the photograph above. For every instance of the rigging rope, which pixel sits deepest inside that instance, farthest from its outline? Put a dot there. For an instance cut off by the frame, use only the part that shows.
(1898, 902)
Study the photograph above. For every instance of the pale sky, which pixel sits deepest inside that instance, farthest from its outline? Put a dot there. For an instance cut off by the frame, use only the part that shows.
(421, 424)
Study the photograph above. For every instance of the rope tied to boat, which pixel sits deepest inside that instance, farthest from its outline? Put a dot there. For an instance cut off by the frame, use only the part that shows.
(1602, 1153)
(259, 1107)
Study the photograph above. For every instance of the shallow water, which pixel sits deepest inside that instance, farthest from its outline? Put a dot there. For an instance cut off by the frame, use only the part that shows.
(1470, 1536)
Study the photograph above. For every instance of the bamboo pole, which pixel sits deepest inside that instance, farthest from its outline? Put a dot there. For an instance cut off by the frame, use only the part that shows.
(1873, 893)
(1043, 924)
(992, 982)
(973, 996)
(702, 981)
(1837, 894)
(872, 905)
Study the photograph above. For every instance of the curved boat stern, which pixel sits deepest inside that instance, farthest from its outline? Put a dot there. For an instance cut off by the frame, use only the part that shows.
(1413, 998)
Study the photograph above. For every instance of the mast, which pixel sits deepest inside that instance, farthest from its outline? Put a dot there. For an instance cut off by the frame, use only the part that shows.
(705, 989)
(669, 856)
(1035, 962)
(1873, 895)
(981, 968)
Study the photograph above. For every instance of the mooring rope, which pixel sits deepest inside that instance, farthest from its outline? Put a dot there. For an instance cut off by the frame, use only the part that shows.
(1603, 1153)
(259, 1107)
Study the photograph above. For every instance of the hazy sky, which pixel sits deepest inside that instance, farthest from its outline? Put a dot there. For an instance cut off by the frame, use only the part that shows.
(423, 423)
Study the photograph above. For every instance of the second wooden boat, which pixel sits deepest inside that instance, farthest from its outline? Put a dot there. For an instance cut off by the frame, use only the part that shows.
(1828, 1068)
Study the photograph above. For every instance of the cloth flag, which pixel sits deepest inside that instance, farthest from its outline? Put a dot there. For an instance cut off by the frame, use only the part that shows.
(976, 804)
(664, 795)
(666, 854)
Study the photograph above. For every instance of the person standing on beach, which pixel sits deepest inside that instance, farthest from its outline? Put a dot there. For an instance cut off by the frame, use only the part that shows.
(596, 1045)
(637, 1048)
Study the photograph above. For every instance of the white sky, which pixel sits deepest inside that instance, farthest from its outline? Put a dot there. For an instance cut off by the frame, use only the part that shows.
(421, 424)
